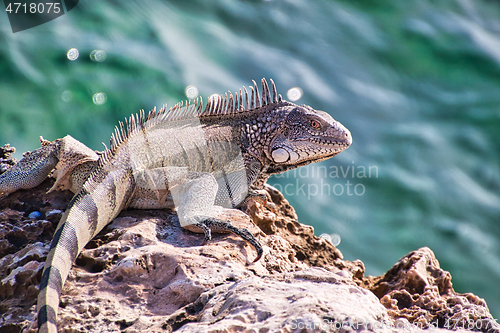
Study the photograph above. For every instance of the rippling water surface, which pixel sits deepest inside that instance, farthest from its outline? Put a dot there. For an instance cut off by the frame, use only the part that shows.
(417, 82)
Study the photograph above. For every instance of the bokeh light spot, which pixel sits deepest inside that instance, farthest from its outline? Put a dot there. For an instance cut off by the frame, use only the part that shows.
(98, 55)
(67, 96)
(73, 54)
(191, 92)
(99, 98)
(294, 94)
(333, 238)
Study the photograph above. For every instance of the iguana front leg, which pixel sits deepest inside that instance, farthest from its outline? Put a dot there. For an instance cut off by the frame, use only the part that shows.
(195, 208)
(70, 161)
(193, 194)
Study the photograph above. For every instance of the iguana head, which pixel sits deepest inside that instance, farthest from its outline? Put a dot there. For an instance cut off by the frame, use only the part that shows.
(305, 136)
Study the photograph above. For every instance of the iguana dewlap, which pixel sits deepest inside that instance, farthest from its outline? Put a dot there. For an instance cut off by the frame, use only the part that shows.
(187, 157)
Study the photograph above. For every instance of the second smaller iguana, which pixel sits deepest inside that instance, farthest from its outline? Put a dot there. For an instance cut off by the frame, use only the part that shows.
(188, 157)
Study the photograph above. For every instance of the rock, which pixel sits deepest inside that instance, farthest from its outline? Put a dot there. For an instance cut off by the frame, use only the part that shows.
(17, 229)
(6, 159)
(417, 289)
(298, 303)
(143, 272)
(54, 215)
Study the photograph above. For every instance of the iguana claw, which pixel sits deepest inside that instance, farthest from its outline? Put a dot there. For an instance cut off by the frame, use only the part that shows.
(206, 231)
(217, 225)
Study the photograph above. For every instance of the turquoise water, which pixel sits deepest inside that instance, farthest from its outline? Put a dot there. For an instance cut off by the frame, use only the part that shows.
(417, 83)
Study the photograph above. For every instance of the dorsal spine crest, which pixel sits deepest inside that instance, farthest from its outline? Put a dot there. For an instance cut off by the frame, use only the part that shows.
(218, 105)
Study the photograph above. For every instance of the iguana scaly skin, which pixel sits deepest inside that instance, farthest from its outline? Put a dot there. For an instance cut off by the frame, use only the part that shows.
(188, 157)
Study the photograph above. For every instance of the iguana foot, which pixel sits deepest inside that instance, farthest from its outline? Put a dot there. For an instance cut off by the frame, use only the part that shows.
(221, 226)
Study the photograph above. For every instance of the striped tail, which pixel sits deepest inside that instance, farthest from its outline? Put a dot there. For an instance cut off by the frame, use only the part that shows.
(97, 204)
(61, 257)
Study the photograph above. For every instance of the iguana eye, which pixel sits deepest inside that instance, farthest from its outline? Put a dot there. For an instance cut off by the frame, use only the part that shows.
(315, 124)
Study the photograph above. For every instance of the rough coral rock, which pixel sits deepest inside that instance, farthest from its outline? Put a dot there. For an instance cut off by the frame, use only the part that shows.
(145, 273)
(417, 289)
(6, 159)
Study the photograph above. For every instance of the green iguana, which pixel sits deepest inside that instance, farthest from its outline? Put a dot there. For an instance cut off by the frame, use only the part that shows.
(187, 157)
